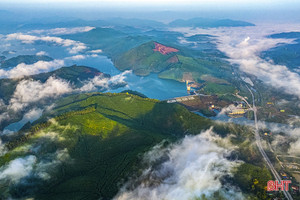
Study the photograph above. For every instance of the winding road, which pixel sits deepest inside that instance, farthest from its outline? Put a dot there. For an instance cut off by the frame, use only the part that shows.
(262, 151)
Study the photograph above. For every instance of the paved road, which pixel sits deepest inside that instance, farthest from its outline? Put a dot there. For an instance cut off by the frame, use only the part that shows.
(262, 151)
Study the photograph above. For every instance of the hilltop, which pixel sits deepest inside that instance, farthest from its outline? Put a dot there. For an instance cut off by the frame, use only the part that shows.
(95, 141)
(285, 54)
(204, 65)
(103, 134)
(175, 62)
(74, 76)
(26, 59)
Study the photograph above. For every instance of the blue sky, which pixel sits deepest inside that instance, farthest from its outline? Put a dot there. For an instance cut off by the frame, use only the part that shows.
(253, 10)
(171, 3)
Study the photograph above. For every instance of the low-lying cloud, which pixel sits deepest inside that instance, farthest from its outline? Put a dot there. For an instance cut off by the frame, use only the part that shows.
(63, 31)
(29, 116)
(29, 91)
(73, 46)
(4, 116)
(50, 163)
(81, 57)
(22, 69)
(292, 137)
(41, 53)
(2, 148)
(104, 83)
(22, 169)
(243, 47)
(2, 104)
(190, 169)
(95, 51)
(17, 169)
(76, 57)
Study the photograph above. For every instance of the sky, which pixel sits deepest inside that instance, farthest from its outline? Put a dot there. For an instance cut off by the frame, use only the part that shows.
(171, 3)
(251, 10)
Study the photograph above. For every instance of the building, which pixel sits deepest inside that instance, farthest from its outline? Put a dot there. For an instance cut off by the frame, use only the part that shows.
(237, 112)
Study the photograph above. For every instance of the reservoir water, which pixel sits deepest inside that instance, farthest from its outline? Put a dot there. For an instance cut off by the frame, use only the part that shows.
(151, 86)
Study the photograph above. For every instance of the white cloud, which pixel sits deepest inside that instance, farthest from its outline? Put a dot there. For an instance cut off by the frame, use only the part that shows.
(41, 53)
(295, 148)
(17, 169)
(4, 116)
(294, 134)
(73, 46)
(45, 166)
(96, 51)
(243, 46)
(62, 31)
(22, 69)
(28, 91)
(105, 83)
(189, 169)
(76, 57)
(2, 104)
(5, 46)
(33, 114)
(2, 148)
(81, 57)
(32, 166)
(182, 40)
(291, 137)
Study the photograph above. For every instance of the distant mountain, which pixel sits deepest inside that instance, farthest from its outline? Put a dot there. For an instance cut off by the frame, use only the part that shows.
(164, 35)
(117, 22)
(290, 35)
(73, 74)
(285, 54)
(208, 23)
(111, 41)
(27, 59)
(2, 58)
(134, 22)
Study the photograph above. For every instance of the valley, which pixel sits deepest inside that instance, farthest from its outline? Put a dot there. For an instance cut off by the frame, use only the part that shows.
(127, 108)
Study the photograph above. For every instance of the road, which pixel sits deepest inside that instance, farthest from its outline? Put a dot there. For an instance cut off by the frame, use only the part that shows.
(261, 150)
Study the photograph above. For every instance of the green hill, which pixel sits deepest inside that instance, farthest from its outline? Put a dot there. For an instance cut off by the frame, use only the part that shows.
(143, 60)
(111, 41)
(213, 73)
(89, 145)
(135, 52)
(285, 54)
(204, 65)
(104, 135)
(74, 74)
(27, 59)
